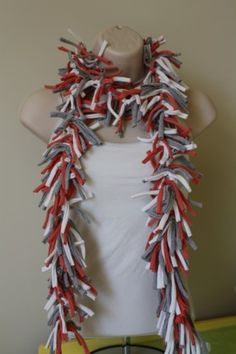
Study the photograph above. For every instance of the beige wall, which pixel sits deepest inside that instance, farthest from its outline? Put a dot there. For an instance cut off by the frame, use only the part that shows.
(204, 32)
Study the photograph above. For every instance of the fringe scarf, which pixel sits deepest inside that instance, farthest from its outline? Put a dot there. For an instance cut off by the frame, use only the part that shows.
(91, 97)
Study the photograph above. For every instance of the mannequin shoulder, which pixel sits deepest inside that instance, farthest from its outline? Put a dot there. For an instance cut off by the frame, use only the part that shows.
(202, 111)
(35, 113)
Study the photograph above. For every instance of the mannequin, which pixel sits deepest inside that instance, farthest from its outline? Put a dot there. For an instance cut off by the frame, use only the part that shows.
(126, 305)
(125, 50)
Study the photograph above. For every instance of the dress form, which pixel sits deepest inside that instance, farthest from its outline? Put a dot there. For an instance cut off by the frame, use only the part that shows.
(126, 56)
(125, 50)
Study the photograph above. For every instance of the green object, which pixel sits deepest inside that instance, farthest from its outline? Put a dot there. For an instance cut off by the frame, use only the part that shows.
(221, 340)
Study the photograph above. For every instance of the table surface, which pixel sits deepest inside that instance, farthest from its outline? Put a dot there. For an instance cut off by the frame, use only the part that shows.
(220, 333)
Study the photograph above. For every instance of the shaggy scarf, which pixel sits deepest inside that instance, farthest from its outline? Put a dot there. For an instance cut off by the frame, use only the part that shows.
(95, 93)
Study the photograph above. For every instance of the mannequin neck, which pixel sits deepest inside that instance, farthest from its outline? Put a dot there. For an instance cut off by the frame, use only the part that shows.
(124, 49)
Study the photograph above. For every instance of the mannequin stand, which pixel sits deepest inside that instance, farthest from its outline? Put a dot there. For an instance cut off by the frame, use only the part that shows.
(128, 348)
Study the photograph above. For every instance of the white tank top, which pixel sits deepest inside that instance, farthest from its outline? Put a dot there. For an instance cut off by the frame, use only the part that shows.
(115, 240)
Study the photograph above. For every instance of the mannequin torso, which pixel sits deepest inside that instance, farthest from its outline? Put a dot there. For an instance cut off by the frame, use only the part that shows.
(125, 49)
